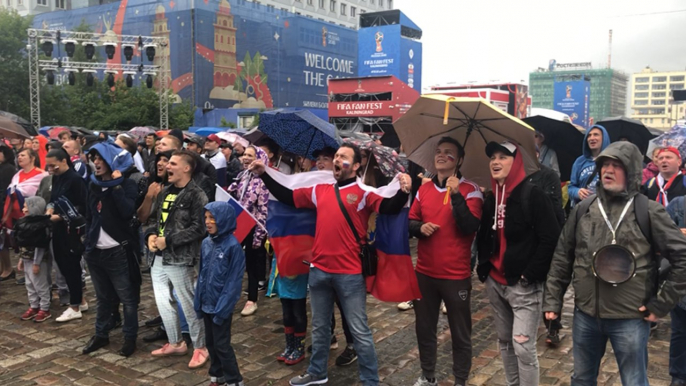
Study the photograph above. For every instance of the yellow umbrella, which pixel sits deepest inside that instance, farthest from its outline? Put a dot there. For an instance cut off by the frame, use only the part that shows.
(471, 121)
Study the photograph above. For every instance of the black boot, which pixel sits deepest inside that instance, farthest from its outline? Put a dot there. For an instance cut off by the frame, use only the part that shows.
(159, 334)
(128, 348)
(96, 343)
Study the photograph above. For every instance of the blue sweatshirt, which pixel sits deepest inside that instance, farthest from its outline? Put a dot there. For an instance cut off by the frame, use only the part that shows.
(222, 263)
(584, 166)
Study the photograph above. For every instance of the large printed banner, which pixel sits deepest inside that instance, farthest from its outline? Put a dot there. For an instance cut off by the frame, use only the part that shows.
(383, 51)
(227, 53)
(572, 98)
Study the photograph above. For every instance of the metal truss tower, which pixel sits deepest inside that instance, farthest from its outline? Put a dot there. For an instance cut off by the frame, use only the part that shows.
(38, 36)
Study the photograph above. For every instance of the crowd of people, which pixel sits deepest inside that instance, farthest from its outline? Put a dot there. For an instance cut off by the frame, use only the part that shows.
(118, 210)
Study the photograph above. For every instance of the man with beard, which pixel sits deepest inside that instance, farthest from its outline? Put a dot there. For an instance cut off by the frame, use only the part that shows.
(604, 310)
(110, 246)
(336, 268)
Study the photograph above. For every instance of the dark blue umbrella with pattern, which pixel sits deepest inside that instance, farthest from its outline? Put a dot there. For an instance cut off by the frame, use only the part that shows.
(299, 131)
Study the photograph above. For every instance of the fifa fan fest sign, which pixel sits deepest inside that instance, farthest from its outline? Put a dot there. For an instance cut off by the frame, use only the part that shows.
(384, 51)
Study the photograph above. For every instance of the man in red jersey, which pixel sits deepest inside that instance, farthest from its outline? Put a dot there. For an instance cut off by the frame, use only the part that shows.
(335, 268)
(445, 217)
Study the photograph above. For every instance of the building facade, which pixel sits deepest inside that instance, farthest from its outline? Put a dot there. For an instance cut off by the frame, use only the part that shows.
(651, 98)
(345, 13)
(607, 88)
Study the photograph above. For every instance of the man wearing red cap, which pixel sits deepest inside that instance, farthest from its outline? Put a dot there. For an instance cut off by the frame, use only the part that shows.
(217, 159)
(669, 183)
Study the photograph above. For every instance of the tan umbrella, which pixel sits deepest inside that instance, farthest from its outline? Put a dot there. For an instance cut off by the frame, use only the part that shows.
(471, 121)
(11, 129)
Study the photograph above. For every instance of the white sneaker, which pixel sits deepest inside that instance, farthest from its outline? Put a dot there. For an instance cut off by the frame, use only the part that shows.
(443, 308)
(424, 382)
(68, 315)
(83, 307)
(404, 306)
(249, 309)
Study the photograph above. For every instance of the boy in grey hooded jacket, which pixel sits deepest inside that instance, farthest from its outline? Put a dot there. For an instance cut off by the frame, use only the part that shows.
(34, 258)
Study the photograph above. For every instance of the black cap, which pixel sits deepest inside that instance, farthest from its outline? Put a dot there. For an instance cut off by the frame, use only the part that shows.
(506, 147)
(198, 140)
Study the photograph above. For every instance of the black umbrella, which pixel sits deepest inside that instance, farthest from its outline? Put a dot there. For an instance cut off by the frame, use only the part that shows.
(627, 128)
(20, 121)
(81, 130)
(562, 137)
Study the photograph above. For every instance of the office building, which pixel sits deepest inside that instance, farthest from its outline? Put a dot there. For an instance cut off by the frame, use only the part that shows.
(651, 98)
(602, 92)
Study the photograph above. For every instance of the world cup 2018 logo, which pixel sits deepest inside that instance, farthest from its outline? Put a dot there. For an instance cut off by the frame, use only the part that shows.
(379, 38)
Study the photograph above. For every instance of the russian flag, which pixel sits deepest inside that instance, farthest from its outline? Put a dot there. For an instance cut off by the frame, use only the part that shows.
(245, 222)
(291, 233)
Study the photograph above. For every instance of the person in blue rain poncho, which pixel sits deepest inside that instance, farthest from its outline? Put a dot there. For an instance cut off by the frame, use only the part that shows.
(222, 263)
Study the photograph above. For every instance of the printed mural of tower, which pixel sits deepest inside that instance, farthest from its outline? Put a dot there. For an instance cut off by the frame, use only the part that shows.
(162, 54)
(160, 30)
(225, 66)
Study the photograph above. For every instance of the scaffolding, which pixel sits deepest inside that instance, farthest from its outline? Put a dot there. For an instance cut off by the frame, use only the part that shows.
(38, 36)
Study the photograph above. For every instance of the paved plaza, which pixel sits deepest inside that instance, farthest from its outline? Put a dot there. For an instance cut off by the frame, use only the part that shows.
(50, 353)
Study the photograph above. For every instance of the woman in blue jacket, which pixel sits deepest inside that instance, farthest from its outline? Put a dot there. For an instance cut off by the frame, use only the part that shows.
(222, 263)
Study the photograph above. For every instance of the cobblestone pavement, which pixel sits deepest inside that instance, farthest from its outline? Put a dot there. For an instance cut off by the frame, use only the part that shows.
(50, 353)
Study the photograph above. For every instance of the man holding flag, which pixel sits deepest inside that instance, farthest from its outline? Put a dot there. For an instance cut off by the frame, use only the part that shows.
(335, 267)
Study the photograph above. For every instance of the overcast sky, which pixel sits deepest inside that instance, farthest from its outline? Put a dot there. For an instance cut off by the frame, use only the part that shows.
(469, 40)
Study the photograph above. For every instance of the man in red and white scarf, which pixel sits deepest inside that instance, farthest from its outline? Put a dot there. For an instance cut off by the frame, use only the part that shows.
(670, 182)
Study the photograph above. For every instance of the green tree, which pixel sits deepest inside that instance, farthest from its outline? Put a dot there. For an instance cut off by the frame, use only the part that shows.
(181, 115)
(14, 68)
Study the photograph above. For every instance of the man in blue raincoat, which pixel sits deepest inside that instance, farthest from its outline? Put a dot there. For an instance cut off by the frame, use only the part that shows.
(222, 263)
(583, 179)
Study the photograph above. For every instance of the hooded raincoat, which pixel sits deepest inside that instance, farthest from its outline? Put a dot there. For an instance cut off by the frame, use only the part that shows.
(253, 195)
(584, 167)
(222, 264)
(111, 203)
(573, 258)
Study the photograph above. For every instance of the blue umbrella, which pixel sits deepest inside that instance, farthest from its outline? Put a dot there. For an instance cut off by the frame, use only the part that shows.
(299, 131)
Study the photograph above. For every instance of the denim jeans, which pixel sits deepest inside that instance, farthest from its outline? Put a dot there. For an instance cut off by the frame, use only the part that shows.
(352, 293)
(517, 312)
(110, 275)
(677, 346)
(629, 338)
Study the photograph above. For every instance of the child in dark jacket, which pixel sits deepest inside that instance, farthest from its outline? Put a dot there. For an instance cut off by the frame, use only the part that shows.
(222, 263)
(32, 233)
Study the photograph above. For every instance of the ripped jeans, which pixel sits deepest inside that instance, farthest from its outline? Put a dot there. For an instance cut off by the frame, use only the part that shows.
(517, 313)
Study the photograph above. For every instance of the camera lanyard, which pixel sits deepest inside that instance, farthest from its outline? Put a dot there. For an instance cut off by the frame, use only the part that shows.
(607, 221)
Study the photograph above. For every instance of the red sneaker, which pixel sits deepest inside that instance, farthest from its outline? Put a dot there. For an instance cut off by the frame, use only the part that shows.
(42, 316)
(29, 314)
